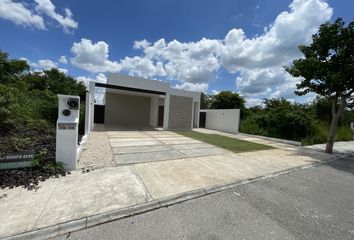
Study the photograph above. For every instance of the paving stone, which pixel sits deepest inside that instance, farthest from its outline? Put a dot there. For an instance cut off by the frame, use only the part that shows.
(203, 152)
(117, 140)
(140, 149)
(129, 144)
(191, 146)
(187, 141)
(148, 157)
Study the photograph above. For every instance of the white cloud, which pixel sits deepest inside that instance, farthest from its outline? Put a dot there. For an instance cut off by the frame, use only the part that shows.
(48, 8)
(99, 92)
(197, 87)
(46, 64)
(278, 45)
(63, 60)
(93, 57)
(251, 102)
(98, 78)
(142, 67)
(19, 13)
(63, 70)
(215, 92)
(258, 61)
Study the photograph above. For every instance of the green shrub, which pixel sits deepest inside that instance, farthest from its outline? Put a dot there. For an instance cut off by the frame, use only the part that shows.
(344, 133)
(319, 134)
(251, 125)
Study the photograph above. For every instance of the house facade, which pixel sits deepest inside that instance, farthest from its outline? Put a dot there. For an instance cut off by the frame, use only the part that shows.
(138, 102)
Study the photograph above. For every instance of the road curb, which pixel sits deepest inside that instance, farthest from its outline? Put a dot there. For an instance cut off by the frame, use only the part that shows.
(93, 220)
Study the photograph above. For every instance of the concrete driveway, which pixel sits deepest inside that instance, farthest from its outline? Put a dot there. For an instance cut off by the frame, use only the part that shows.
(131, 147)
(139, 170)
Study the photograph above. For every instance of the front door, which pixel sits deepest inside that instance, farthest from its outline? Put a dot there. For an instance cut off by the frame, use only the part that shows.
(160, 117)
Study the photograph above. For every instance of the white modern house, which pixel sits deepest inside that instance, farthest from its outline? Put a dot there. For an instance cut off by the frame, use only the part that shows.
(138, 102)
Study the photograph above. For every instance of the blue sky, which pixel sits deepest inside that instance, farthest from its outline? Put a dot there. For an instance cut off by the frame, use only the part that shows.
(196, 45)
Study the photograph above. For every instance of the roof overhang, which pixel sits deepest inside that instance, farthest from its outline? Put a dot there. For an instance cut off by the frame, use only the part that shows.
(130, 89)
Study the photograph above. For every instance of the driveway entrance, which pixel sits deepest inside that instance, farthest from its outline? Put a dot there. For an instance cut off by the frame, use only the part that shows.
(132, 147)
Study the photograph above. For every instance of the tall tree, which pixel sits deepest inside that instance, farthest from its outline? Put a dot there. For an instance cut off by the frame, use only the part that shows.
(204, 101)
(227, 100)
(327, 69)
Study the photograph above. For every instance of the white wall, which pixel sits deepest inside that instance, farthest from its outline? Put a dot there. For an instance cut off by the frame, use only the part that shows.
(226, 120)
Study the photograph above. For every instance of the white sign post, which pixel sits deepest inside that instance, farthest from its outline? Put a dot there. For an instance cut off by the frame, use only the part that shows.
(67, 130)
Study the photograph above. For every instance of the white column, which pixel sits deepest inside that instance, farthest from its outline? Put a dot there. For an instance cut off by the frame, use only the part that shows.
(166, 112)
(154, 108)
(67, 131)
(92, 103)
(196, 111)
(193, 113)
(87, 113)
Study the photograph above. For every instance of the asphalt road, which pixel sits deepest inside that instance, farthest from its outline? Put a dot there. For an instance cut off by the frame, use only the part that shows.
(316, 203)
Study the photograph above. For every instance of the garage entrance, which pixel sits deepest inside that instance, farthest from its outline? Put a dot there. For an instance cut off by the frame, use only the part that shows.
(130, 107)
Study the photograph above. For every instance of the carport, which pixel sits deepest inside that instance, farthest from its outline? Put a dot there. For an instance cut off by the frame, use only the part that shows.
(138, 102)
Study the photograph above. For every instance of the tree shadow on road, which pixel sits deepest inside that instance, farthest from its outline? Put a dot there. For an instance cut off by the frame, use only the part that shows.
(346, 164)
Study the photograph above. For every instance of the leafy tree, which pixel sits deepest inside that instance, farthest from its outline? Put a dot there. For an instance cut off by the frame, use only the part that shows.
(204, 101)
(274, 103)
(11, 70)
(56, 82)
(28, 105)
(227, 100)
(327, 69)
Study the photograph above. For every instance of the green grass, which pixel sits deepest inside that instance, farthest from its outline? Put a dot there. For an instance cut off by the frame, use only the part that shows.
(232, 144)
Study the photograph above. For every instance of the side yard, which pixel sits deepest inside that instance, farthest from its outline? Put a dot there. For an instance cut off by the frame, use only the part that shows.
(231, 144)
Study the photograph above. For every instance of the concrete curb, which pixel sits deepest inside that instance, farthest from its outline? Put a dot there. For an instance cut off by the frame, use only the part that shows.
(93, 220)
(295, 143)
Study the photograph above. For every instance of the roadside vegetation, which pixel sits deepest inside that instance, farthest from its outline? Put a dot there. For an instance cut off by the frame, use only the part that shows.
(279, 118)
(326, 69)
(228, 143)
(28, 114)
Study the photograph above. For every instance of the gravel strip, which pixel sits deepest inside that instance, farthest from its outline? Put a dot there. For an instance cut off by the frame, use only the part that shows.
(97, 151)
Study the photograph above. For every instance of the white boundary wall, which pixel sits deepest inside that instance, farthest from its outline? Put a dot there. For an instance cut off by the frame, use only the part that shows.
(226, 120)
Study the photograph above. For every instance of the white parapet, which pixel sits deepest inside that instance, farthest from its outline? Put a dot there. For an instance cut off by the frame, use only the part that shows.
(67, 130)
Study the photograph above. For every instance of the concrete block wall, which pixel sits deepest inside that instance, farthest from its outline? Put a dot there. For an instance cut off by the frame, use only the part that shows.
(181, 112)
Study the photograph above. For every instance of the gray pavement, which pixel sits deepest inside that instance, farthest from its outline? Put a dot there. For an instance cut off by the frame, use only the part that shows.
(339, 147)
(139, 179)
(315, 203)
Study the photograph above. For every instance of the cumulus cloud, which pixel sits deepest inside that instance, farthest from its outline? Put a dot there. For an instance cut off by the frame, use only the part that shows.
(93, 57)
(47, 7)
(197, 87)
(20, 14)
(44, 64)
(99, 92)
(278, 44)
(63, 60)
(215, 92)
(98, 78)
(257, 62)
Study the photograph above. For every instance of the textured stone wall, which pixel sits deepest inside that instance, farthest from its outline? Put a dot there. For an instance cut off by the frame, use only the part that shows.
(180, 116)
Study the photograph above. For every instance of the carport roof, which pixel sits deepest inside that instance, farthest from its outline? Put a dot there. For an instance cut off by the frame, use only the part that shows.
(131, 89)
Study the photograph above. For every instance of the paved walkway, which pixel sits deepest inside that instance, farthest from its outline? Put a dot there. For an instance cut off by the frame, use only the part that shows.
(339, 147)
(315, 204)
(135, 179)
